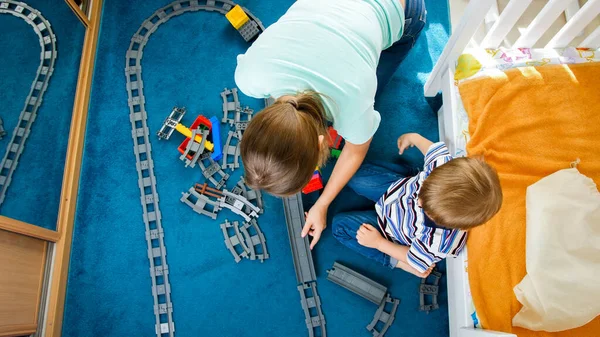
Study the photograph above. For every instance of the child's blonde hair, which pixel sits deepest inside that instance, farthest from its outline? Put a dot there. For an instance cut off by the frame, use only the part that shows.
(281, 147)
(463, 193)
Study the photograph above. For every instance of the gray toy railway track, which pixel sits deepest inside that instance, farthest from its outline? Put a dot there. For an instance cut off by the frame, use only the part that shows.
(48, 55)
(159, 272)
(357, 283)
(370, 290)
(303, 264)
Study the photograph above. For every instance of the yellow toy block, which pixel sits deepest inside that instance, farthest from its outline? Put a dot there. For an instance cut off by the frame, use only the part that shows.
(237, 17)
(188, 133)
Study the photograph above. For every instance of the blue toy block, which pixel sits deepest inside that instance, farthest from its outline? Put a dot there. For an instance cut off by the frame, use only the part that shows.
(216, 137)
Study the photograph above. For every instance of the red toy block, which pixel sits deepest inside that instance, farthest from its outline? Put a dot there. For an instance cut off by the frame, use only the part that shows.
(182, 146)
(201, 120)
(315, 183)
(335, 140)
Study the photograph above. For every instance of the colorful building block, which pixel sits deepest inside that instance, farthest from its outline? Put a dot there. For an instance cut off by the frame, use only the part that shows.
(315, 183)
(188, 133)
(335, 140)
(237, 17)
(201, 120)
(335, 153)
(216, 139)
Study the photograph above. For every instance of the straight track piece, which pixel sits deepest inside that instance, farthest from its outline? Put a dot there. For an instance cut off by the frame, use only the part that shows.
(168, 126)
(357, 283)
(304, 266)
(311, 305)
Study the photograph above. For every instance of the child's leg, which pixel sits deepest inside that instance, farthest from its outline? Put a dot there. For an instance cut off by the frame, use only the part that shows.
(371, 181)
(345, 226)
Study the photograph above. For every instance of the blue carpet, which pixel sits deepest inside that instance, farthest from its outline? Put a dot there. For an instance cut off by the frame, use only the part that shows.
(187, 62)
(34, 193)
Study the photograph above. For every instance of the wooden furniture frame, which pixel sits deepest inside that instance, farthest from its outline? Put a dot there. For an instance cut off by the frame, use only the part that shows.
(442, 79)
(59, 241)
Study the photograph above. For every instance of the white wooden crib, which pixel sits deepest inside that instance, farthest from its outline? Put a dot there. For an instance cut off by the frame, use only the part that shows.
(483, 15)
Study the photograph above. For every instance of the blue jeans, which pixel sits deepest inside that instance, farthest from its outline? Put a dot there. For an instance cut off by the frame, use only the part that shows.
(415, 16)
(370, 181)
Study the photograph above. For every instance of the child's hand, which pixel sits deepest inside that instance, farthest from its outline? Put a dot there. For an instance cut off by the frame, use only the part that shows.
(426, 273)
(368, 236)
(405, 141)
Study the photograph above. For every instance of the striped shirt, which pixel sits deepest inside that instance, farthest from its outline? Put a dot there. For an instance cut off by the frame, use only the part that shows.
(403, 221)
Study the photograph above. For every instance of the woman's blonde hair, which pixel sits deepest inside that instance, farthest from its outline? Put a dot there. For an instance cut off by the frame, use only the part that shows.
(280, 148)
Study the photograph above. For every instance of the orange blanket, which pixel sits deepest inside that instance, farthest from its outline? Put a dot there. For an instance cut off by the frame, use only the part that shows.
(528, 124)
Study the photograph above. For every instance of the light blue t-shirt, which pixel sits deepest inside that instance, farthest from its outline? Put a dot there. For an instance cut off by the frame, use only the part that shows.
(331, 47)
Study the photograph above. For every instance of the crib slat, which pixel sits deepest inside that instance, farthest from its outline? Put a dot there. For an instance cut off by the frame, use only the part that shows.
(576, 25)
(449, 109)
(541, 23)
(470, 22)
(593, 40)
(507, 20)
(571, 9)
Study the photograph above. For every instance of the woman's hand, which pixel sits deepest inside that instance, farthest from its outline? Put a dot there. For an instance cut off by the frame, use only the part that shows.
(369, 236)
(316, 222)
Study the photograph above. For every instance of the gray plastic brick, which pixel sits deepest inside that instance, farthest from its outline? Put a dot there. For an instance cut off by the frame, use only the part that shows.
(249, 30)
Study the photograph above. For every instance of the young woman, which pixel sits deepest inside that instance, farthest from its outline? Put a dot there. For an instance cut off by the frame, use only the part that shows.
(323, 61)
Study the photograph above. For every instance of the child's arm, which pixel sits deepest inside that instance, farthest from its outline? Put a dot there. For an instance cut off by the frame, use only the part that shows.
(369, 236)
(413, 139)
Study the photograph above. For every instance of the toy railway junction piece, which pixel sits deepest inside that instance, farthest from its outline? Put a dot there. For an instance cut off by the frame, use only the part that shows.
(161, 289)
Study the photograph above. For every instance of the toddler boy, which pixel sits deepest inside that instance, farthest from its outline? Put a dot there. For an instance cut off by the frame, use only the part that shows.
(421, 219)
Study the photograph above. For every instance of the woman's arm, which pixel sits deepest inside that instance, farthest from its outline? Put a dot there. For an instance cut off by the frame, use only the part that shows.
(348, 163)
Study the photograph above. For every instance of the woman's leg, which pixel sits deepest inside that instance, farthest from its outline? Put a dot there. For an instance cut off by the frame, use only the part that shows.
(371, 181)
(415, 18)
(345, 226)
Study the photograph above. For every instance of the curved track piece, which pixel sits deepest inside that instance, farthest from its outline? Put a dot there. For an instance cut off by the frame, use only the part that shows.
(387, 318)
(257, 239)
(48, 55)
(142, 148)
